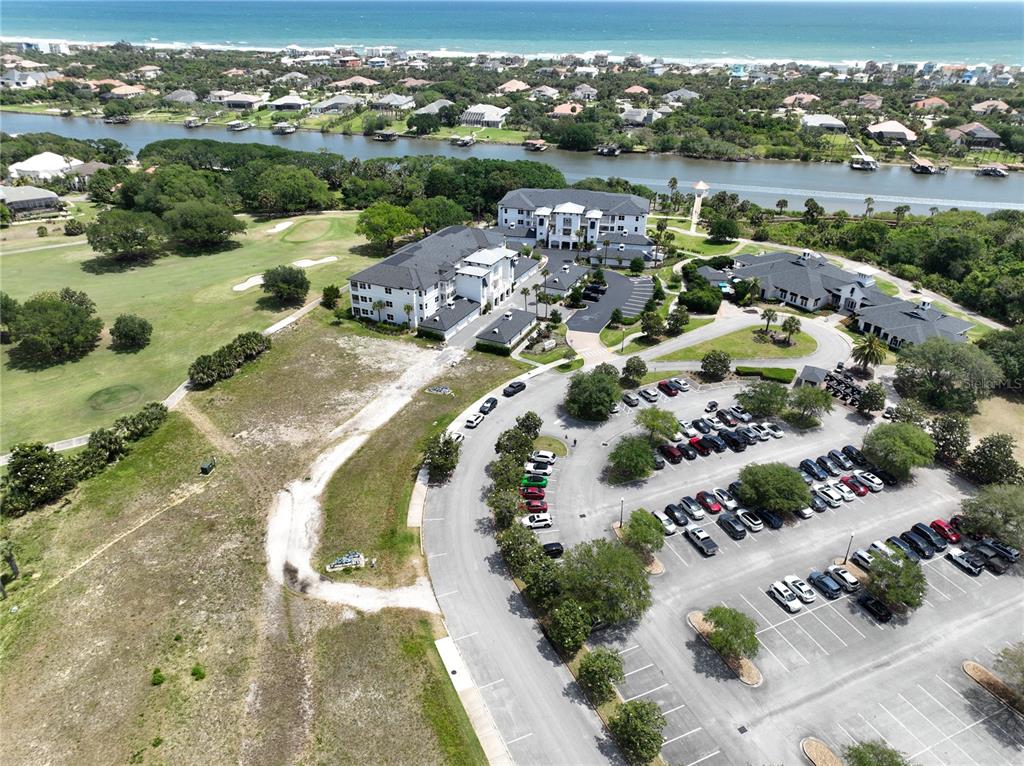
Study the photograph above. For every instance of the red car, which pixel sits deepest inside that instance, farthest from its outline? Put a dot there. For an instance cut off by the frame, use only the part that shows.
(670, 453)
(702, 449)
(667, 388)
(945, 530)
(854, 486)
(708, 502)
(536, 506)
(532, 493)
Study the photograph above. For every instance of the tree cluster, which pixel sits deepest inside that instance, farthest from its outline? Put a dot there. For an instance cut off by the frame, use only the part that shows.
(225, 361)
(50, 327)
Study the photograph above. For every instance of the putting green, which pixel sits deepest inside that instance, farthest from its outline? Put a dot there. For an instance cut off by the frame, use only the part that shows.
(115, 397)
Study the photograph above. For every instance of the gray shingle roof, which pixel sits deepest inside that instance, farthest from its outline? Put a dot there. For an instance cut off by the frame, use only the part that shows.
(609, 202)
(417, 266)
(434, 106)
(449, 316)
(505, 330)
(912, 324)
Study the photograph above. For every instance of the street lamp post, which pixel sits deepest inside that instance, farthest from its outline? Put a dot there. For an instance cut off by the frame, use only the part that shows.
(622, 505)
(848, 547)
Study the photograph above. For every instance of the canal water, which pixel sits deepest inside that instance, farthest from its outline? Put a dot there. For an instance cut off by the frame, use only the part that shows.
(834, 186)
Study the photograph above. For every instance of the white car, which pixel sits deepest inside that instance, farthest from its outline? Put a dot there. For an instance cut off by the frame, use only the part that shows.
(536, 521)
(749, 519)
(649, 394)
(457, 436)
(786, 598)
(616, 409)
(678, 436)
(679, 383)
(881, 549)
(800, 588)
(844, 492)
(725, 499)
(804, 513)
(537, 469)
(760, 432)
(773, 430)
(832, 497)
(740, 413)
(542, 456)
(667, 525)
(863, 559)
(689, 431)
(474, 420)
(841, 575)
(869, 480)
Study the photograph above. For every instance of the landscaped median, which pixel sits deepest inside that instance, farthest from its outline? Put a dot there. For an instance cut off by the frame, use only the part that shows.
(994, 685)
(747, 343)
(742, 666)
(818, 753)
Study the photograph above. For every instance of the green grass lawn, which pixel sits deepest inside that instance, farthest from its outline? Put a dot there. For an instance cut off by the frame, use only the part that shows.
(741, 344)
(654, 376)
(612, 337)
(887, 287)
(977, 330)
(189, 301)
(694, 243)
(554, 354)
(551, 444)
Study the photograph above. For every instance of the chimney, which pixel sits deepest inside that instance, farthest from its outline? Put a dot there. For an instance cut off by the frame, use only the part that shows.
(806, 255)
(924, 305)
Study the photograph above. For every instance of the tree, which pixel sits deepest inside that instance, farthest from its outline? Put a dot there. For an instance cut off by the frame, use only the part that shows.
(643, 533)
(598, 673)
(423, 124)
(530, 423)
(636, 265)
(1009, 663)
(790, 326)
(36, 475)
(869, 206)
(873, 754)
(910, 411)
(504, 504)
(288, 284)
(992, 461)
(899, 448)
(51, 328)
(781, 205)
(715, 364)
(652, 324)
(202, 225)
(734, 634)
(288, 189)
(873, 398)
(946, 375)
(436, 213)
(900, 211)
(203, 372)
(525, 292)
(518, 546)
(774, 486)
(657, 422)
(898, 581)
(568, 627)
(74, 228)
(591, 395)
(506, 471)
(382, 223)
(952, 436)
(869, 351)
(997, 510)
(812, 211)
(724, 230)
(810, 402)
(540, 576)
(637, 727)
(769, 315)
(1006, 347)
(378, 306)
(130, 332)
(330, 296)
(616, 317)
(678, 318)
(9, 310)
(763, 398)
(607, 580)
(633, 371)
(631, 459)
(441, 456)
(127, 236)
(514, 442)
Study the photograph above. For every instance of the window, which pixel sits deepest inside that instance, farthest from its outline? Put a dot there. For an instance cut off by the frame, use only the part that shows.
(389, 304)
(565, 232)
(622, 218)
(387, 291)
(593, 225)
(391, 317)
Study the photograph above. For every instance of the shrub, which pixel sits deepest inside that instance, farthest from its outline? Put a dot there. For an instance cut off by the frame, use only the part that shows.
(74, 228)
(198, 672)
(288, 284)
(157, 678)
(225, 361)
(568, 627)
(42, 231)
(492, 348)
(715, 364)
(131, 332)
(598, 673)
(331, 296)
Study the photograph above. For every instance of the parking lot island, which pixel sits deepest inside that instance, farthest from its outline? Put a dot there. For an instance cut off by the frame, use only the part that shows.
(818, 753)
(744, 668)
(994, 685)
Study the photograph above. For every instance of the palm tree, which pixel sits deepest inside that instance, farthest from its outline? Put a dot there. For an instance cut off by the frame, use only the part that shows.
(869, 206)
(899, 211)
(753, 291)
(581, 234)
(536, 304)
(378, 306)
(790, 326)
(869, 351)
(781, 204)
(604, 260)
(769, 316)
(673, 184)
(933, 210)
(408, 313)
(525, 292)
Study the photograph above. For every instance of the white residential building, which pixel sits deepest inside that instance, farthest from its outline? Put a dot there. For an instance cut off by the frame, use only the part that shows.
(43, 166)
(485, 115)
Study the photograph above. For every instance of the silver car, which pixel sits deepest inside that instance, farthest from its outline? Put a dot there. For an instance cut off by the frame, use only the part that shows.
(667, 525)
(800, 588)
(787, 599)
(725, 499)
(842, 575)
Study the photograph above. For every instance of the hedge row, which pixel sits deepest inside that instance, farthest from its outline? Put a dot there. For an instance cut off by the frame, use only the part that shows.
(225, 361)
(777, 374)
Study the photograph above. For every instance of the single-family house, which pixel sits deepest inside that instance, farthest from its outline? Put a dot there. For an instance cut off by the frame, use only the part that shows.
(799, 100)
(974, 135)
(414, 83)
(568, 109)
(636, 90)
(434, 107)
(182, 96)
(1004, 80)
(679, 96)
(891, 131)
(346, 61)
(126, 91)
(43, 166)
(218, 96)
(989, 106)
(291, 78)
(377, 62)
(586, 71)
(235, 72)
(82, 174)
(509, 329)
(338, 104)
(485, 115)
(289, 103)
(13, 79)
(870, 101)
(931, 103)
(584, 92)
(639, 117)
(824, 122)
(243, 101)
(512, 86)
(353, 82)
(147, 72)
(28, 200)
(544, 93)
(394, 103)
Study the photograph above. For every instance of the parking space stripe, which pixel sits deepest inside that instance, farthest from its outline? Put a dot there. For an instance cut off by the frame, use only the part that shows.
(517, 739)
(876, 731)
(828, 629)
(648, 665)
(765, 646)
(629, 649)
(678, 554)
(759, 614)
(845, 732)
(935, 569)
(691, 731)
(492, 683)
(701, 760)
(644, 694)
(468, 635)
(447, 593)
(905, 727)
(937, 702)
(929, 722)
(827, 653)
(677, 707)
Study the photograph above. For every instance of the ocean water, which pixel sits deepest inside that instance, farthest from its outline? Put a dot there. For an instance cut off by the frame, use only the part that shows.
(701, 30)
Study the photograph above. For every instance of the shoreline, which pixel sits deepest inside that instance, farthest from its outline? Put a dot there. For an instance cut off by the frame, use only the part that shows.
(448, 53)
(445, 139)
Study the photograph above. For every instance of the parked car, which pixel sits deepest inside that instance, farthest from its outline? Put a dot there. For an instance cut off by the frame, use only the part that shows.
(553, 550)
(531, 493)
(920, 544)
(842, 490)
(739, 412)
(842, 576)
(538, 469)
(537, 521)
(711, 406)
(804, 513)
(513, 388)
(828, 587)
(734, 489)
(1008, 552)
(800, 588)
(853, 484)
(533, 481)
(966, 561)
(786, 598)
(897, 543)
(809, 466)
(732, 526)
(536, 506)
(489, 404)
(887, 478)
(679, 384)
(762, 433)
(840, 459)
(818, 504)
(957, 523)
(677, 514)
(474, 420)
(688, 430)
(830, 495)
(667, 525)
(649, 394)
(543, 456)
(869, 480)
(946, 530)
(934, 538)
(826, 465)
(771, 518)
(863, 559)
(875, 607)
(715, 442)
(808, 479)
(457, 436)
(773, 430)
(990, 558)
(702, 541)
(709, 502)
(854, 454)
(630, 399)
(692, 508)
(726, 418)
(749, 435)
(702, 425)
(670, 453)
(732, 441)
(749, 520)
(697, 442)
(667, 388)
(659, 462)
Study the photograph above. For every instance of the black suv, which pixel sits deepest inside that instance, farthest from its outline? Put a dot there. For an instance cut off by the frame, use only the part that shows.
(714, 441)
(513, 388)
(732, 526)
(677, 514)
(920, 545)
(930, 535)
(553, 550)
(771, 518)
(489, 404)
(854, 454)
(812, 468)
(991, 558)
(875, 607)
(734, 442)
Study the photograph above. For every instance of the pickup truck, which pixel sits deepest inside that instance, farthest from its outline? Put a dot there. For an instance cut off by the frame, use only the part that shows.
(702, 541)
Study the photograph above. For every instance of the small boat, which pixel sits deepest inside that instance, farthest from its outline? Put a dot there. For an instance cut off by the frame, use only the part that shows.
(924, 166)
(863, 162)
(609, 150)
(196, 122)
(236, 126)
(386, 136)
(535, 145)
(282, 129)
(995, 170)
(463, 140)
(121, 119)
